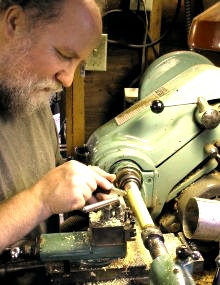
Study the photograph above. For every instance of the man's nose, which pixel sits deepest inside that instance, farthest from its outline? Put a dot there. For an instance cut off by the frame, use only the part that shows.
(65, 76)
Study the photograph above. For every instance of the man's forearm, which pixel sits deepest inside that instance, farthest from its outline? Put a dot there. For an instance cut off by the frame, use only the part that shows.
(19, 215)
(63, 189)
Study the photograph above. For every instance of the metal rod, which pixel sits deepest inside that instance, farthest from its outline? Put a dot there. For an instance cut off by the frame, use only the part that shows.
(99, 205)
(118, 191)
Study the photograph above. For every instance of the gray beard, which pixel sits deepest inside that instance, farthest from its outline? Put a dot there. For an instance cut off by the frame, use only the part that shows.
(21, 92)
(9, 107)
(14, 105)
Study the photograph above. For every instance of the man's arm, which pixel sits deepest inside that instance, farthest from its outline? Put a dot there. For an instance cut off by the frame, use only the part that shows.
(67, 187)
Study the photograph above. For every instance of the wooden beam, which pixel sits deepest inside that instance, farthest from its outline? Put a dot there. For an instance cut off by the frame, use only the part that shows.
(75, 112)
(154, 28)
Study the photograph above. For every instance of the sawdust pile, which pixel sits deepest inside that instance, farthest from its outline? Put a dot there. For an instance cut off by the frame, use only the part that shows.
(204, 278)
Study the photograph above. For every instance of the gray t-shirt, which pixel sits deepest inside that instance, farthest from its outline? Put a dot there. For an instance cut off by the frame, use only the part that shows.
(28, 149)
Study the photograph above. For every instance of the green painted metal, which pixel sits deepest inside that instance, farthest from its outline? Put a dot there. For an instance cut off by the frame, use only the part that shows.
(165, 272)
(76, 246)
(166, 147)
(167, 67)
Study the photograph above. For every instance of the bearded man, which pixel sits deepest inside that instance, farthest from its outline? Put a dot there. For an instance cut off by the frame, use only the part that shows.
(42, 43)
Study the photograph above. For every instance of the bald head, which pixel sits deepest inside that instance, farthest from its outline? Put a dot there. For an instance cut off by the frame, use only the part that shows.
(90, 14)
(86, 22)
(47, 10)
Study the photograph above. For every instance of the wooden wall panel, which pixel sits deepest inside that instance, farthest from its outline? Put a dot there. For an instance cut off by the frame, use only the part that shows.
(104, 91)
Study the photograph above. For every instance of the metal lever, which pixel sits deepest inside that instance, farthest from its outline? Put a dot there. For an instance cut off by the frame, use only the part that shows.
(157, 106)
(206, 115)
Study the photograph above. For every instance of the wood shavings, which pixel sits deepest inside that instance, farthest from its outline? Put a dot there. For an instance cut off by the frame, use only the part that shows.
(204, 278)
(137, 255)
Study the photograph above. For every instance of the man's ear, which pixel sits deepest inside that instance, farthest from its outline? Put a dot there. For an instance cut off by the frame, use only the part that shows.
(14, 21)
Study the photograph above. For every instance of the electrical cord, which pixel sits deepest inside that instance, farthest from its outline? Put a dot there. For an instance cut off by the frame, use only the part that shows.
(147, 36)
(188, 14)
(152, 43)
(143, 58)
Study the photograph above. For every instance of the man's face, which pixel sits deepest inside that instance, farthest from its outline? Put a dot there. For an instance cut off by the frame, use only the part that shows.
(38, 62)
(21, 90)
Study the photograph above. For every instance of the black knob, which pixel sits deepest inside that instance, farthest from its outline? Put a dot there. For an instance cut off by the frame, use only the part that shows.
(157, 106)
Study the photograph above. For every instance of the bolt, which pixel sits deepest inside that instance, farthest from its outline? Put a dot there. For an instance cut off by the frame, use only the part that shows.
(15, 251)
(176, 270)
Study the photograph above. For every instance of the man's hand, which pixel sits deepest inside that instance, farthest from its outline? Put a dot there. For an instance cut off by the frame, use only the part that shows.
(70, 186)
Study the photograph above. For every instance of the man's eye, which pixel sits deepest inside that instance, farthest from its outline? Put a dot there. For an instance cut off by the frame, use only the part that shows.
(68, 57)
(64, 56)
